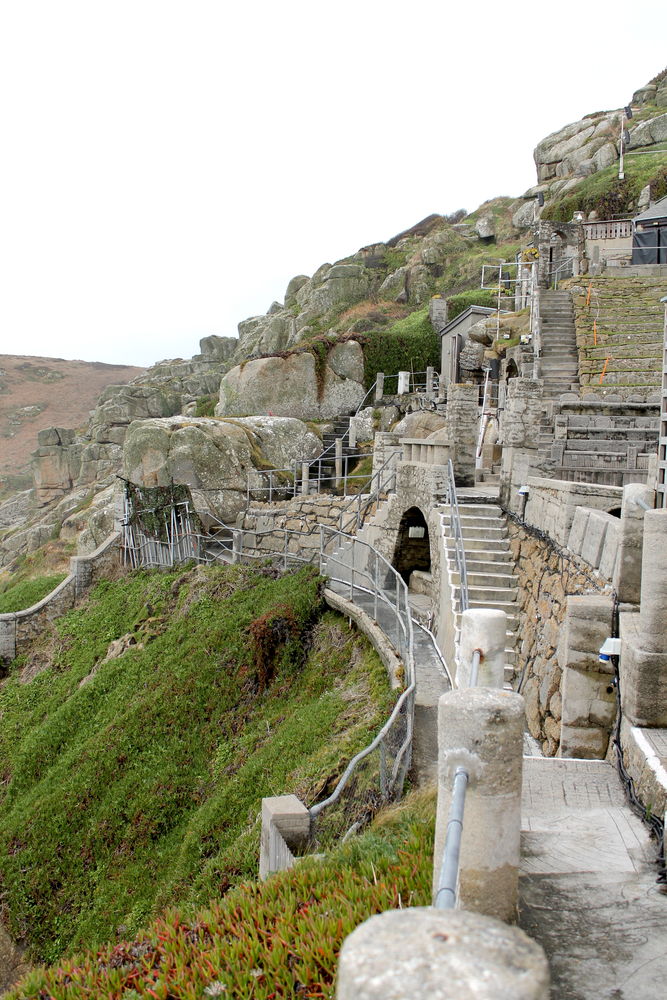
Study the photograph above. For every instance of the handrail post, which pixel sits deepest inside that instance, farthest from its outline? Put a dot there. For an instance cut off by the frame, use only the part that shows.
(480, 730)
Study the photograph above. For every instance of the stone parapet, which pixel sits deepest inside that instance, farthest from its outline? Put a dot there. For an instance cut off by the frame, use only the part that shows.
(19, 627)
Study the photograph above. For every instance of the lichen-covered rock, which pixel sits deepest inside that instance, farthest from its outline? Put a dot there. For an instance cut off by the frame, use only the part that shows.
(119, 405)
(291, 386)
(419, 424)
(394, 285)
(215, 458)
(217, 349)
(485, 227)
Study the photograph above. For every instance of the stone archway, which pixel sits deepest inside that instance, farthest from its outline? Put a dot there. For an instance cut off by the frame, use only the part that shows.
(413, 545)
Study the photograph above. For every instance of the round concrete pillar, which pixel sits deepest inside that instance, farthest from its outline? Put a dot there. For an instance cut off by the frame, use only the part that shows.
(484, 629)
(653, 608)
(422, 952)
(482, 730)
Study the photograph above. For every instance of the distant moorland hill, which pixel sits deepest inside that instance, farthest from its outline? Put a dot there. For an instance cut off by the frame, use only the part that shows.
(36, 393)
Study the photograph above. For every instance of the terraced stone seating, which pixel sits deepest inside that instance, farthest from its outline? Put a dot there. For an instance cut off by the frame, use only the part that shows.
(606, 441)
(620, 333)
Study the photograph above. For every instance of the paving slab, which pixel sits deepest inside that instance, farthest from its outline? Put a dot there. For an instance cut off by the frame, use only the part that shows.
(587, 886)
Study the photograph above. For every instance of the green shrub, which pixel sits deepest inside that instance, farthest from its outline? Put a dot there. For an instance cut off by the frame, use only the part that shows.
(411, 344)
(456, 304)
(206, 406)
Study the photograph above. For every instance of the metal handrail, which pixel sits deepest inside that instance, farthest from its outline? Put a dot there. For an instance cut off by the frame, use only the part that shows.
(365, 500)
(555, 270)
(445, 898)
(457, 535)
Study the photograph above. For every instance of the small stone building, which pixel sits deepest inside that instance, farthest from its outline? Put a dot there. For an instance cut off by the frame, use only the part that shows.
(649, 241)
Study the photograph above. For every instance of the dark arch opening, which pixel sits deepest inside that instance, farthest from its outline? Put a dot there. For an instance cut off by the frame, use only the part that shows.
(413, 546)
(511, 371)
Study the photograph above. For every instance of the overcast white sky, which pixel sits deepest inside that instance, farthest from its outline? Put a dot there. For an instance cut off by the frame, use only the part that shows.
(167, 167)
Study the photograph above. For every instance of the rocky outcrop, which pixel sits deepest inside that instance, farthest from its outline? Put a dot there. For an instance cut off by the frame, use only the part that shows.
(119, 405)
(294, 386)
(215, 458)
(56, 463)
(587, 146)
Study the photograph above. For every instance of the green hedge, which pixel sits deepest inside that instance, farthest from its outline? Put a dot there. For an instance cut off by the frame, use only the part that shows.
(456, 304)
(411, 344)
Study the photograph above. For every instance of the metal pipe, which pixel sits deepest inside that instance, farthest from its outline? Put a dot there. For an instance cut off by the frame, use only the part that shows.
(474, 667)
(449, 870)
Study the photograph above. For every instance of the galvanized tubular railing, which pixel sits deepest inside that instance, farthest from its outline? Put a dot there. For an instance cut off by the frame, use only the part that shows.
(448, 878)
(457, 537)
(382, 481)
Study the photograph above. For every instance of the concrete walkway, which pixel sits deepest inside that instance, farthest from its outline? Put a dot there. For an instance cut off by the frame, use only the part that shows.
(588, 890)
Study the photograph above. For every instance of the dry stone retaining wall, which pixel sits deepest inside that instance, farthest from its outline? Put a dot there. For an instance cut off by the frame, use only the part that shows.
(546, 576)
(19, 627)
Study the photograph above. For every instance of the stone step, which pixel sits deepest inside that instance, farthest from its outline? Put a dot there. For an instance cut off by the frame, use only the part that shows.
(469, 521)
(487, 596)
(496, 581)
(480, 544)
(477, 559)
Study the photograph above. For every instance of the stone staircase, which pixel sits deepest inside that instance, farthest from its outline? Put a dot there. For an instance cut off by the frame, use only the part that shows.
(559, 365)
(490, 568)
(324, 468)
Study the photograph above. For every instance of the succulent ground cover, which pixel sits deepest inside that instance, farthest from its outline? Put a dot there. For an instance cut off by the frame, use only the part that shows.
(158, 715)
(280, 938)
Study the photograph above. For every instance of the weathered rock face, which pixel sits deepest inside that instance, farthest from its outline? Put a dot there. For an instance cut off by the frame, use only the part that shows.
(119, 405)
(217, 349)
(290, 387)
(56, 463)
(420, 424)
(215, 458)
(561, 153)
(582, 148)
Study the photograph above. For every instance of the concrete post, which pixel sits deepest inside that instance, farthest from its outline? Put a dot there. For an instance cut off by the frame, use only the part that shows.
(403, 383)
(653, 609)
(429, 380)
(422, 952)
(482, 729)
(338, 452)
(486, 630)
(285, 826)
(462, 428)
(379, 387)
(644, 636)
(628, 567)
(305, 473)
(7, 636)
(352, 434)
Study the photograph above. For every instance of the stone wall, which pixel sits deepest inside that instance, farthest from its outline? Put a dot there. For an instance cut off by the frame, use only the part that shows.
(302, 514)
(547, 575)
(18, 627)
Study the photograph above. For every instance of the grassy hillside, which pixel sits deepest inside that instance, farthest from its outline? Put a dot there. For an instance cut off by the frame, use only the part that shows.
(133, 766)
